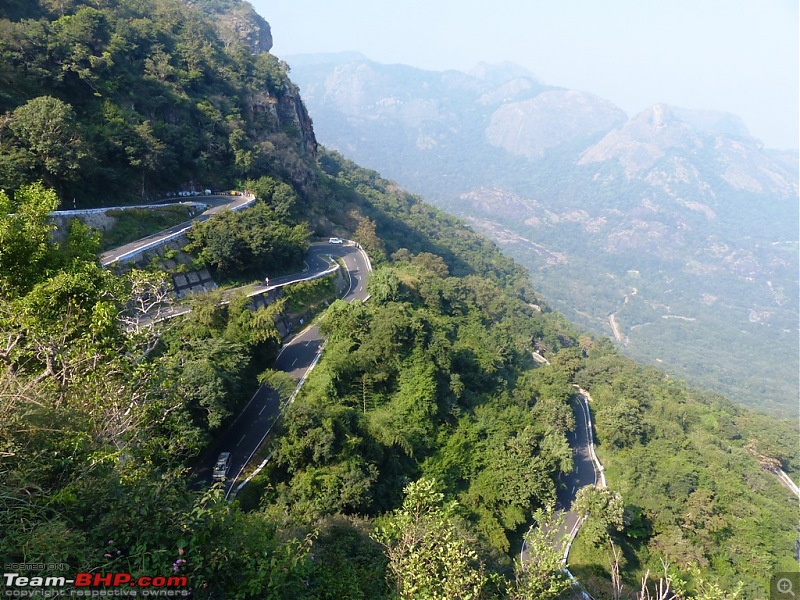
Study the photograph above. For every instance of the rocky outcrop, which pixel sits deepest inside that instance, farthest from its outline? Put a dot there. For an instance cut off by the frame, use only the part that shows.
(292, 110)
(237, 21)
(553, 118)
(663, 146)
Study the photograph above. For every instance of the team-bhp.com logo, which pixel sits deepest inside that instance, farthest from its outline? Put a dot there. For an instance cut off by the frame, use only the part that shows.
(93, 584)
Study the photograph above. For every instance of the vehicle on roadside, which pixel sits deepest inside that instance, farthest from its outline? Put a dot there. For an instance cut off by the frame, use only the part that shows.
(222, 466)
(335, 240)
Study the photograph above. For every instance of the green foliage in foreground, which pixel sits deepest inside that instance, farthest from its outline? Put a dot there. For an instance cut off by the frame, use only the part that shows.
(428, 556)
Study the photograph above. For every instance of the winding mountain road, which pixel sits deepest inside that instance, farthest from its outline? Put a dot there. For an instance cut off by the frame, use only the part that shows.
(297, 357)
(587, 470)
(216, 205)
(300, 353)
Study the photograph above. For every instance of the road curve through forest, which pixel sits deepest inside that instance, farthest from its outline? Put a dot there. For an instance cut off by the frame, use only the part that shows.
(587, 470)
(297, 357)
(298, 354)
(301, 352)
(216, 205)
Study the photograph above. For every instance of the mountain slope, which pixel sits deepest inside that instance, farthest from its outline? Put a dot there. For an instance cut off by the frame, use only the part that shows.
(676, 227)
(138, 92)
(434, 380)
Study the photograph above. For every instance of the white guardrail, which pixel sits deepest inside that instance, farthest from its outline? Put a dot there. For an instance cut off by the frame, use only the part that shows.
(167, 238)
(95, 211)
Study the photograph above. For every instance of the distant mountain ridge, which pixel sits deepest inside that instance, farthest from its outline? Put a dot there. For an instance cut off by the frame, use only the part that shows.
(669, 213)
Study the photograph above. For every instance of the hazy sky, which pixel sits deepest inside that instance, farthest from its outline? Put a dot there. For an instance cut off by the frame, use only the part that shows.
(739, 56)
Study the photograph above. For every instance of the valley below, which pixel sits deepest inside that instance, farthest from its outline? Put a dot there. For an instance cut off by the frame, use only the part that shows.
(683, 206)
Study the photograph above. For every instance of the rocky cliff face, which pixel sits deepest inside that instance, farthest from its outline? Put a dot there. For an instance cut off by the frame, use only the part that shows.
(237, 21)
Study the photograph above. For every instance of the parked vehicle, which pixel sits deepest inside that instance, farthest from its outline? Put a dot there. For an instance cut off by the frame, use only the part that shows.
(222, 466)
(335, 240)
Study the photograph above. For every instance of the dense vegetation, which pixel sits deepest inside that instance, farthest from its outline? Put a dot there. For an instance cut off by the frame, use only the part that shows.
(265, 239)
(425, 443)
(111, 99)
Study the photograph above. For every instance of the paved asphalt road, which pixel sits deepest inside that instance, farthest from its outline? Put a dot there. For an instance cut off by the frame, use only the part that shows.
(216, 204)
(298, 354)
(258, 418)
(583, 472)
(253, 424)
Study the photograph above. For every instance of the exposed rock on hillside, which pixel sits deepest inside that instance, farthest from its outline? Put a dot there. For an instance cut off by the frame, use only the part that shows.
(718, 143)
(237, 20)
(550, 119)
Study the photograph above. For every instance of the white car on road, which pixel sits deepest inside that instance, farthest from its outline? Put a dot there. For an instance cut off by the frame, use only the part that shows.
(335, 241)
(222, 466)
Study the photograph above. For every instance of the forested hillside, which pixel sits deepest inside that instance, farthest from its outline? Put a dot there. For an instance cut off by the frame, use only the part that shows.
(427, 440)
(673, 230)
(98, 96)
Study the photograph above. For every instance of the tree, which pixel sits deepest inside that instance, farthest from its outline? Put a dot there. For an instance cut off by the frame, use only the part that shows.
(516, 477)
(26, 251)
(621, 423)
(383, 285)
(541, 576)
(280, 197)
(47, 128)
(604, 511)
(366, 235)
(145, 151)
(251, 241)
(429, 558)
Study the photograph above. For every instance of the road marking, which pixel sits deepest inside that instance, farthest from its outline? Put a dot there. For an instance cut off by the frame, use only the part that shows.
(355, 279)
(573, 490)
(241, 440)
(262, 409)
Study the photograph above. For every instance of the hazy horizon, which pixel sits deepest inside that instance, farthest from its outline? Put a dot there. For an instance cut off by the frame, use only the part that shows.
(734, 56)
